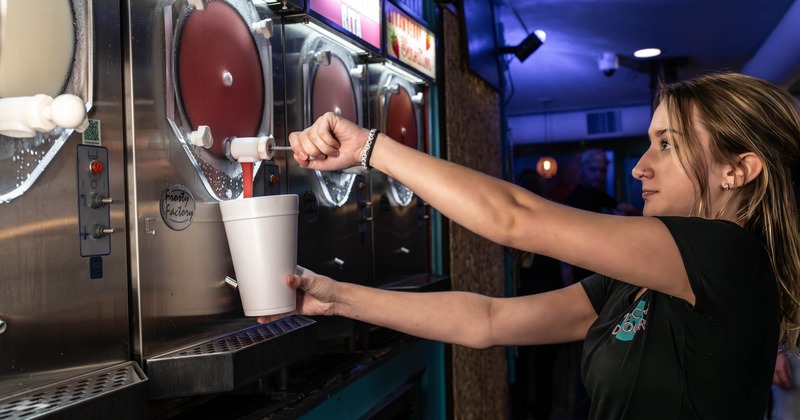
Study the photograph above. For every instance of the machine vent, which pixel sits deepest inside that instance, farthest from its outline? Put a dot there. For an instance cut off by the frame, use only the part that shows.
(245, 338)
(606, 122)
(232, 360)
(64, 398)
(413, 6)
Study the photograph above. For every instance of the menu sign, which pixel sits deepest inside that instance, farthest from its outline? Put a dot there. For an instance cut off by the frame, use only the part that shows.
(361, 18)
(409, 42)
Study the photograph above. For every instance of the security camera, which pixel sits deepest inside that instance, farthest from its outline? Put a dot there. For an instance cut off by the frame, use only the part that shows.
(608, 63)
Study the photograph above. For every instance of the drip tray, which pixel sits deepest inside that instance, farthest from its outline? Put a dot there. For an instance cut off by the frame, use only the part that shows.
(227, 362)
(115, 392)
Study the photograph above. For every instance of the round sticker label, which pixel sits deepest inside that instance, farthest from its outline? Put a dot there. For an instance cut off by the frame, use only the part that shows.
(309, 206)
(177, 207)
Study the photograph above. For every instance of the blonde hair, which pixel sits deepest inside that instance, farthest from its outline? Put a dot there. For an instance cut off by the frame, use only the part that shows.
(746, 114)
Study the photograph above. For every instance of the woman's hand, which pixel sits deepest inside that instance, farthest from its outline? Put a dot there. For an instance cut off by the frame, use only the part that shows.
(316, 294)
(782, 376)
(333, 142)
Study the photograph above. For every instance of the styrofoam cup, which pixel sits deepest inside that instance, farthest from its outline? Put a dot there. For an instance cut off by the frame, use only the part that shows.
(262, 237)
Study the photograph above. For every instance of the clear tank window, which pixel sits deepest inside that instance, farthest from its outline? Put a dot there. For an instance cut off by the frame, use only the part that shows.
(223, 36)
(37, 62)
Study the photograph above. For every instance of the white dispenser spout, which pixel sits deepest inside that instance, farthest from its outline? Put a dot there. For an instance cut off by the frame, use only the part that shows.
(250, 149)
(238, 149)
(24, 116)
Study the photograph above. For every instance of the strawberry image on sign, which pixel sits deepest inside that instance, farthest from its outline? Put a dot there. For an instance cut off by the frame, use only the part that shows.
(395, 45)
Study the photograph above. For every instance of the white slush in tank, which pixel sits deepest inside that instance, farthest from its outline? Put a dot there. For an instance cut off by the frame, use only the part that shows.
(38, 43)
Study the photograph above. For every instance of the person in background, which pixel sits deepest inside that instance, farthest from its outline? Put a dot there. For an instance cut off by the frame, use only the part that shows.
(785, 392)
(533, 392)
(589, 194)
(690, 301)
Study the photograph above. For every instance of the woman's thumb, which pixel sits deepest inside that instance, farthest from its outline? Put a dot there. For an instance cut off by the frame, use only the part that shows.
(293, 281)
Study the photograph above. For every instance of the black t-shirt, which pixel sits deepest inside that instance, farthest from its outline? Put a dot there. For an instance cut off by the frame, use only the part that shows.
(657, 357)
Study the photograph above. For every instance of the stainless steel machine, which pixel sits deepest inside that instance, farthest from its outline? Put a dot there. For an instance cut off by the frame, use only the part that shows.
(64, 325)
(326, 72)
(398, 104)
(118, 290)
(194, 66)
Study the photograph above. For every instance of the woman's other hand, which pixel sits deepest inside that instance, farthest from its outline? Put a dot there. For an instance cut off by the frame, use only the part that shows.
(315, 294)
(782, 376)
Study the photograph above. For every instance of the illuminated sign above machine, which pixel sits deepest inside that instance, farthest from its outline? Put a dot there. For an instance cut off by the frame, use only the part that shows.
(409, 42)
(360, 18)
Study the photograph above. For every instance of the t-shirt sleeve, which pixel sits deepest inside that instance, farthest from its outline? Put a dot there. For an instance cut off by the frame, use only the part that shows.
(598, 289)
(727, 267)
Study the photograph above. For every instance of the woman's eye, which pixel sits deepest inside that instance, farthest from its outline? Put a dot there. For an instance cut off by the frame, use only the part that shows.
(665, 145)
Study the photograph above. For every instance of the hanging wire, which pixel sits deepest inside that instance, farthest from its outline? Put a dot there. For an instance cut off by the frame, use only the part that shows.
(506, 70)
(516, 13)
(507, 74)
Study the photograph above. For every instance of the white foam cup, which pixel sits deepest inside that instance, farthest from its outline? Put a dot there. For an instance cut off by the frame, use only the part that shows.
(262, 237)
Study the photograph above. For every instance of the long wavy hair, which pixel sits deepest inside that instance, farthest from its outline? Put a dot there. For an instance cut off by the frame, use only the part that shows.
(746, 114)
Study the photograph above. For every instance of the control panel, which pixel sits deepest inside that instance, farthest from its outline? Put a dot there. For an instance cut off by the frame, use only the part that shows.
(94, 215)
(267, 180)
(364, 206)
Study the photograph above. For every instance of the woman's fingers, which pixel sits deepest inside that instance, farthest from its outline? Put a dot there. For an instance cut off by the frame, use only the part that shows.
(306, 147)
(316, 141)
(293, 281)
(331, 143)
(272, 318)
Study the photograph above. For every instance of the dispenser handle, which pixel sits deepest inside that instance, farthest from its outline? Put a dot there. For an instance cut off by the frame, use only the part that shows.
(265, 28)
(202, 137)
(24, 116)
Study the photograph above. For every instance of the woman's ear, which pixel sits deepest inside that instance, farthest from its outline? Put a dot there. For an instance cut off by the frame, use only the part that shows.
(746, 170)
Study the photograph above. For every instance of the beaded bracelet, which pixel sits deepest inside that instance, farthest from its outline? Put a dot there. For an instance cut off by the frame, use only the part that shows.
(367, 153)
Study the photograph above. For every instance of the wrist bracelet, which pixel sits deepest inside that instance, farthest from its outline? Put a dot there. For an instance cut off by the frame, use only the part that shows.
(367, 153)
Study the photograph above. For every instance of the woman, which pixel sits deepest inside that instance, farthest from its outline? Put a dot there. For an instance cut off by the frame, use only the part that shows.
(691, 301)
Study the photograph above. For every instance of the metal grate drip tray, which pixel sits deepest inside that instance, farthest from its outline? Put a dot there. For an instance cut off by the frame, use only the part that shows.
(225, 363)
(106, 393)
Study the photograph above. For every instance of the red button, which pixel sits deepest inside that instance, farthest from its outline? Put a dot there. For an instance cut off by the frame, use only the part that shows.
(273, 179)
(95, 167)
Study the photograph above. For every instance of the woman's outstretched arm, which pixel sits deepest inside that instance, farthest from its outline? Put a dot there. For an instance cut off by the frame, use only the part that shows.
(461, 318)
(636, 250)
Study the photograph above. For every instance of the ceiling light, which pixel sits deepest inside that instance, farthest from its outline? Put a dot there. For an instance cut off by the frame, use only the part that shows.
(547, 167)
(647, 53)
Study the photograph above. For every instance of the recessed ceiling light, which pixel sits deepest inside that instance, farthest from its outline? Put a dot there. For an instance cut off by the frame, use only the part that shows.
(647, 53)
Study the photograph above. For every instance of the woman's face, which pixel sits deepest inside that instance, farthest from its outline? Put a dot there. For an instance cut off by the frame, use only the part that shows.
(667, 190)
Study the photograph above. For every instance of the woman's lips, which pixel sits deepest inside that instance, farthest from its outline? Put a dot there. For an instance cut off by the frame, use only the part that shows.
(647, 193)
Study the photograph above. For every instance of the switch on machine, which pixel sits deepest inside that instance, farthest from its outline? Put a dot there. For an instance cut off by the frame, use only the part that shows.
(268, 180)
(94, 214)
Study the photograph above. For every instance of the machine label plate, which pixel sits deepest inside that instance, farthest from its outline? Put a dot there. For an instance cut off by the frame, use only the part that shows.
(91, 136)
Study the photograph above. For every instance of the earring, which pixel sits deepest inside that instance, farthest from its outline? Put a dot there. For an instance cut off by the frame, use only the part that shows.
(726, 187)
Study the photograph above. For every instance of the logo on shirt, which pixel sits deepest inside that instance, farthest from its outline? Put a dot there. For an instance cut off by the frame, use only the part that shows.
(633, 322)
